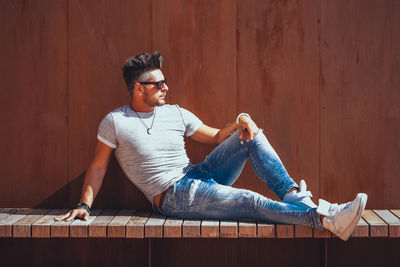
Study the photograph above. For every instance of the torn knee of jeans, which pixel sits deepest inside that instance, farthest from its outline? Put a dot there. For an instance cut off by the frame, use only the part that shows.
(192, 190)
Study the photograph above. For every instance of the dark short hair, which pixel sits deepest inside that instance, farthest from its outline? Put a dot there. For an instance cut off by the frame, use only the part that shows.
(137, 68)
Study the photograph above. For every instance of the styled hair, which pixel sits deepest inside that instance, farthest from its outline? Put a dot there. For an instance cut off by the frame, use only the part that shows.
(136, 68)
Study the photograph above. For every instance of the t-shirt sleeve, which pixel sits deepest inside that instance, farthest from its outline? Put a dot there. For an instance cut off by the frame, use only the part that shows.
(106, 132)
(191, 121)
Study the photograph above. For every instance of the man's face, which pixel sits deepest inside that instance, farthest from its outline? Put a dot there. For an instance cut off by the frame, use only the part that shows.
(153, 96)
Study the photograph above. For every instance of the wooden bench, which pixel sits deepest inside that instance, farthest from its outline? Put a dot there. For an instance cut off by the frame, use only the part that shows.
(39, 223)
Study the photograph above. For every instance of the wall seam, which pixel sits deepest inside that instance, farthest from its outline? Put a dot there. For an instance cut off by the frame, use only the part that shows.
(68, 107)
(236, 58)
(320, 82)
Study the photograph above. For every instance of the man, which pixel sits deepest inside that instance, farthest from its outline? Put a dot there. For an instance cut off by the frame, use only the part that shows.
(148, 138)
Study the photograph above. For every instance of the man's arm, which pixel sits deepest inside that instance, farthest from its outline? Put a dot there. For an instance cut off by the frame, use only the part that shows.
(210, 135)
(92, 182)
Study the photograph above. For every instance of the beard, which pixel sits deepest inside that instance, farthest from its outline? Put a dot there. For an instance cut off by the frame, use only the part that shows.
(153, 102)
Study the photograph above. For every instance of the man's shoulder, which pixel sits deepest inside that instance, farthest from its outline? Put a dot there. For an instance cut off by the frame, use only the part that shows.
(121, 110)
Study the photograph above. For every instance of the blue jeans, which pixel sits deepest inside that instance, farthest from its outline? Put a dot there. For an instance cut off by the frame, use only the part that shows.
(205, 192)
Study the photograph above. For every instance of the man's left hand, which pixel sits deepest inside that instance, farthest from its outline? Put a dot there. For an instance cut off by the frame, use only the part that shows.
(247, 128)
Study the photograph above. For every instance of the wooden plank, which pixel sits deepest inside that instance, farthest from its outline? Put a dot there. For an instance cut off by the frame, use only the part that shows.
(396, 212)
(228, 229)
(136, 225)
(362, 229)
(217, 43)
(34, 169)
(284, 231)
(116, 228)
(266, 230)
(173, 227)
(154, 226)
(391, 220)
(247, 229)
(261, 68)
(322, 233)
(60, 228)
(79, 228)
(191, 228)
(7, 222)
(88, 49)
(210, 228)
(41, 228)
(5, 212)
(98, 227)
(358, 124)
(22, 228)
(377, 227)
(303, 231)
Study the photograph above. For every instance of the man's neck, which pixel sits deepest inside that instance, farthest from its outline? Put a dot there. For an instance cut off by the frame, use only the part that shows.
(140, 108)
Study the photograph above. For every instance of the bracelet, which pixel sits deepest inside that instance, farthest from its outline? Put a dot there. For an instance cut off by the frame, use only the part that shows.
(242, 114)
(83, 206)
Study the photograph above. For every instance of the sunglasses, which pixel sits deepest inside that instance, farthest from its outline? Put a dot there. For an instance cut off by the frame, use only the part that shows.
(159, 85)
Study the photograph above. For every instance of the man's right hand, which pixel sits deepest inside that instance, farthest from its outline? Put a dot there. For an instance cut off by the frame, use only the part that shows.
(72, 214)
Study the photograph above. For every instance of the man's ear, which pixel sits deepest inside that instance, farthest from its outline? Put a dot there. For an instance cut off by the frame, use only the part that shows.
(138, 88)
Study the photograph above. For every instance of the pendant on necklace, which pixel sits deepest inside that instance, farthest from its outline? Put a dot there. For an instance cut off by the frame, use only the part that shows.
(148, 131)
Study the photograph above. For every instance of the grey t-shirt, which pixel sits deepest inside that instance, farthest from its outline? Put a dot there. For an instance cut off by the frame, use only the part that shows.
(152, 162)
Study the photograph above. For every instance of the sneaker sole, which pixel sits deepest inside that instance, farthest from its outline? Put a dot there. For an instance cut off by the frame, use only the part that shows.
(349, 230)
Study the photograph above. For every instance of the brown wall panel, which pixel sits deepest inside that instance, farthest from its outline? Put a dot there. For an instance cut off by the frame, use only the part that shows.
(237, 252)
(34, 126)
(102, 35)
(74, 252)
(278, 83)
(360, 115)
(198, 39)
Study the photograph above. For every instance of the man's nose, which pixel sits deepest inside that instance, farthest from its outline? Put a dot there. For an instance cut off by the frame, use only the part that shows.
(164, 87)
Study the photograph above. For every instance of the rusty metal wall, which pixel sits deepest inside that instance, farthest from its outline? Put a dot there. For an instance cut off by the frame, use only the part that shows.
(320, 77)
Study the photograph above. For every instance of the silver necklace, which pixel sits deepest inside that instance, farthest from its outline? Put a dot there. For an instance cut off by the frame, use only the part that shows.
(144, 124)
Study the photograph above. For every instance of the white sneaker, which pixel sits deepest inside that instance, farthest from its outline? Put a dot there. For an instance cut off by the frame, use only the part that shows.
(342, 219)
(303, 197)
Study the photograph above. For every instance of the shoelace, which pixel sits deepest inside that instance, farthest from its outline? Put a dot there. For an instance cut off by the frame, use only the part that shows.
(335, 208)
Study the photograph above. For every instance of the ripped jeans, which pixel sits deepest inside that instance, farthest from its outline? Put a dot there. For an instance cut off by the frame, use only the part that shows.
(205, 192)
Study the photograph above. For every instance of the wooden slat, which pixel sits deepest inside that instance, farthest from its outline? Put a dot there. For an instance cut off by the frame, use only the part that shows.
(396, 212)
(303, 231)
(361, 230)
(5, 212)
(60, 228)
(265, 230)
(79, 228)
(191, 228)
(173, 227)
(377, 227)
(7, 222)
(154, 226)
(116, 228)
(98, 227)
(210, 228)
(135, 227)
(284, 231)
(228, 229)
(247, 229)
(41, 228)
(391, 220)
(22, 228)
(322, 233)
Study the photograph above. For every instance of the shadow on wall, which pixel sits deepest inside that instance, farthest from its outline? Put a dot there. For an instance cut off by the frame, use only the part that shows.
(117, 192)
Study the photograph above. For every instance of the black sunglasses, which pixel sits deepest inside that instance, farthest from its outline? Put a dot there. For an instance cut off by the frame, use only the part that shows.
(159, 85)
